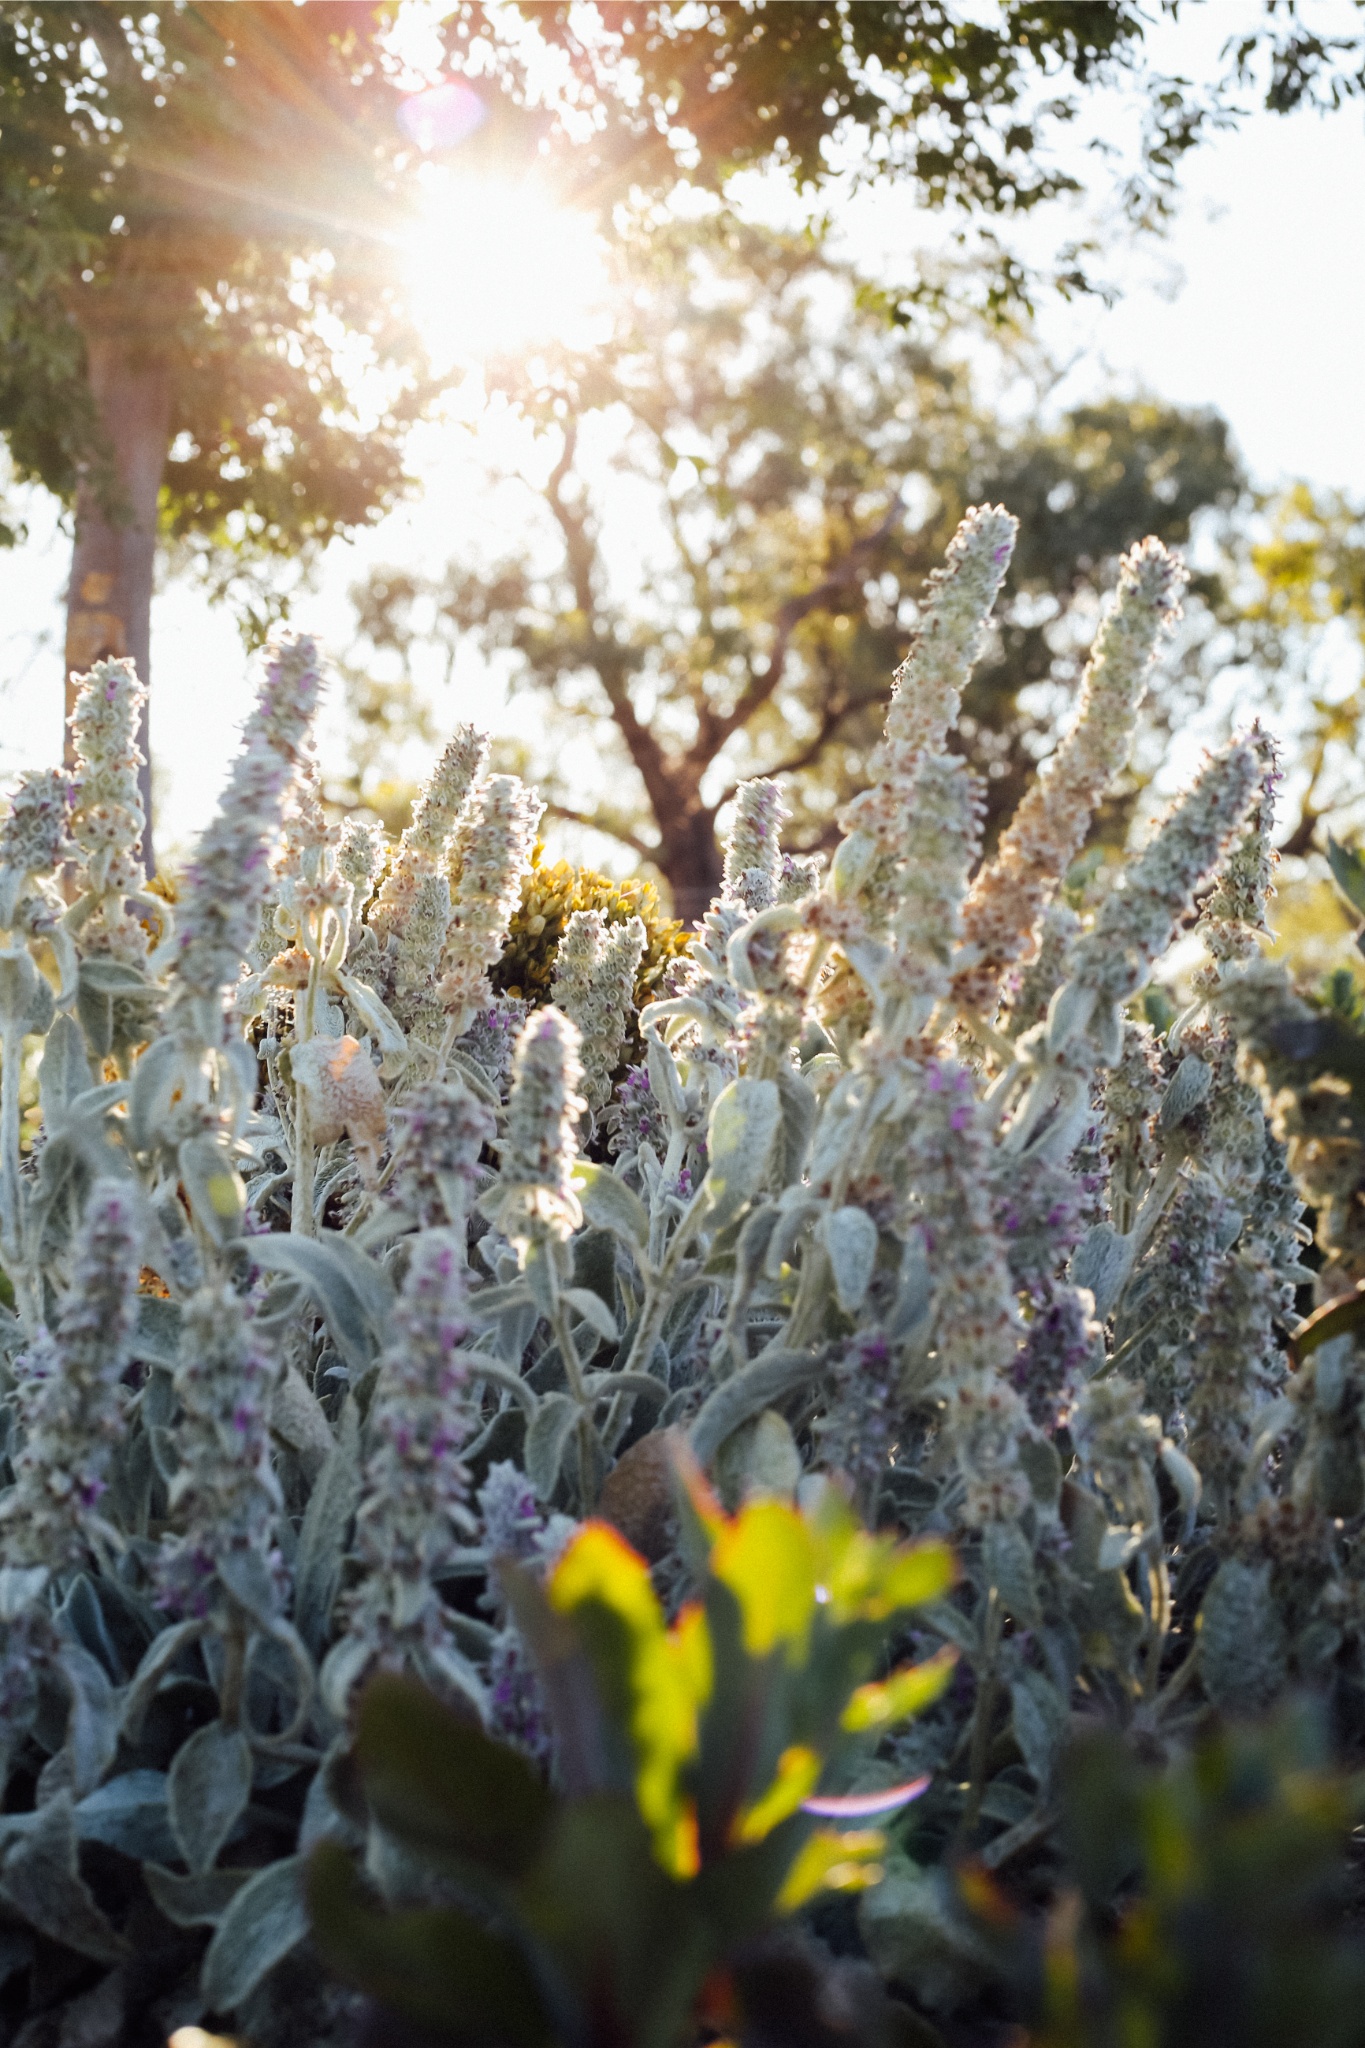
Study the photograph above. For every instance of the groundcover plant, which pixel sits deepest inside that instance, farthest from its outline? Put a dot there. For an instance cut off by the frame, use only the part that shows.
(351, 1303)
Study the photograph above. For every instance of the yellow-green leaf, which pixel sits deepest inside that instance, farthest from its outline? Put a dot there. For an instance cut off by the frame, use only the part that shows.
(832, 1860)
(766, 1556)
(905, 1692)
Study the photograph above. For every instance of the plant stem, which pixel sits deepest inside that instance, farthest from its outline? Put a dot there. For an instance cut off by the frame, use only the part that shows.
(982, 1715)
(301, 1219)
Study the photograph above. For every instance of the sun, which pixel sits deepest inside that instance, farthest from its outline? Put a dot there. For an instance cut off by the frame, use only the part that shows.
(495, 265)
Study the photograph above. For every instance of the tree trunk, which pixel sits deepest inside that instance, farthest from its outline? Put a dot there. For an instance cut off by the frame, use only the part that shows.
(691, 861)
(109, 602)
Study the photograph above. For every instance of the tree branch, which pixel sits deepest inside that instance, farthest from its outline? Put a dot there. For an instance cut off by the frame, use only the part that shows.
(601, 652)
(834, 717)
(597, 824)
(716, 728)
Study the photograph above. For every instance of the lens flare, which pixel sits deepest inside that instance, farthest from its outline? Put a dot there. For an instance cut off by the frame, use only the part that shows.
(495, 265)
(442, 117)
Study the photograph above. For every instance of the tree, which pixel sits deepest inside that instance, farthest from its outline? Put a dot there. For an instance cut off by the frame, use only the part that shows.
(198, 205)
(795, 467)
(967, 110)
(1308, 573)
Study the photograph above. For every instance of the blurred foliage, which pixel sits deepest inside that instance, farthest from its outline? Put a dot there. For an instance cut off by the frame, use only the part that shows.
(1205, 1901)
(640, 1896)
(794, 465)
(1309, 574)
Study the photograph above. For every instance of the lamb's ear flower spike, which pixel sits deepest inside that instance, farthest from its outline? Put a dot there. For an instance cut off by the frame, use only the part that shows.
(927, 694)
(1047, 831)
(1233, 919)
(441, 1132)
(34, 835)
(229, 879)
(225, 1500)
(1137, 920)
(947, 1140)
(107, 820)
(360, 855)
(490, 856)
(606, 1009)
(753, 852)
(418, 950)
(422, 847)
(532, 1194)
(580, 949)
(942, 840)
(413, 1510)
(71, 1401)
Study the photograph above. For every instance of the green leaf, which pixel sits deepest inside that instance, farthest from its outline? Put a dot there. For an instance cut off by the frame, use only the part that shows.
(353, 1293)
(1348, 872)
(594, 1311)
(65, 1069)
(442, 1786)
(267, 1918)
(41, 1882)
(156, 1339)
(298, 1419)
(193, 1901)
(756, 1387)
(1007, 1564)
(1040, 1720)
(1242, 1649)
(207, 1792)
(96, 1012)
(129, 1814)
(437, 1966)
(115, 978)
(547, 1438)
(799, 1107)
(850, 1240)
(322, 1539)
(214, 1186)
(92, 1726)
(1346, 1312)
(745, 1119)
(249, 1579)
(155, 1079)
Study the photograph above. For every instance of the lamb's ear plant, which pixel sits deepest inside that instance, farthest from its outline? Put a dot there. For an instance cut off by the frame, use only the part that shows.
(341, 1266)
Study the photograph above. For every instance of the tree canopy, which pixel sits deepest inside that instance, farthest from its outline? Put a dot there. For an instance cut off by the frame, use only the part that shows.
(219, 181)
(968, 109)
(200, 208)
(733, 504)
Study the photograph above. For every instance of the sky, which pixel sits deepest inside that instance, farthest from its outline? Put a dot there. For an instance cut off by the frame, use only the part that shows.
(1253, 303)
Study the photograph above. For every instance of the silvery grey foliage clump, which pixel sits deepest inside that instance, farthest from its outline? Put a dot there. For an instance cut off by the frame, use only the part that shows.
(336, 1278)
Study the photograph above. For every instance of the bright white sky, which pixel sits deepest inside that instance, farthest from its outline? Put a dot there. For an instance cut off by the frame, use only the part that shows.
(1254, 304)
